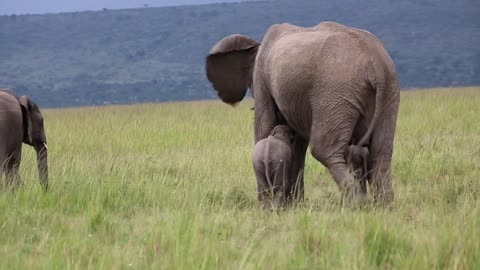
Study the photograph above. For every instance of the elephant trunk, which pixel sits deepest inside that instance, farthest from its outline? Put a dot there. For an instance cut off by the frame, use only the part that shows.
(42, 160)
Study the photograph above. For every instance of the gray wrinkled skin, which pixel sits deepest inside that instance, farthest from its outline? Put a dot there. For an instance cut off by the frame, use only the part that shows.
(20, 122)
(321, 81)
(272, 161)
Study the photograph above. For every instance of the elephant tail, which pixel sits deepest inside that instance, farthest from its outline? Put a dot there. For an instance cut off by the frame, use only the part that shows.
(382, 90)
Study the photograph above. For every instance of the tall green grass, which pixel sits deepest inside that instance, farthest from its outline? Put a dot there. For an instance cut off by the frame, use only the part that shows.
(171, 186)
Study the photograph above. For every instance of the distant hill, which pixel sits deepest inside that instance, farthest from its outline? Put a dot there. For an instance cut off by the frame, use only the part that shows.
(9, 7)
(157, 54)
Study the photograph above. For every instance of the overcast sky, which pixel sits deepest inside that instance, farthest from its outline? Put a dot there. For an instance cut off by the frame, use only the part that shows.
(55, 6)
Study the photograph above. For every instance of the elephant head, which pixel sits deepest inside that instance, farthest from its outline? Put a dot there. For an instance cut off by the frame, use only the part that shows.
(284, 133)
(34, 135)
(230, 66)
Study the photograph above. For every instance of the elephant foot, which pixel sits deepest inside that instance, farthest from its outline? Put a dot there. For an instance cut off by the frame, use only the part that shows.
(272, 200)
(382, 192)
(269, 204)
(265, 199)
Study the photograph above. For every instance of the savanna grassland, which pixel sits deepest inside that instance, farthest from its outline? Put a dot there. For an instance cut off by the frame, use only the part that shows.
(171, 186)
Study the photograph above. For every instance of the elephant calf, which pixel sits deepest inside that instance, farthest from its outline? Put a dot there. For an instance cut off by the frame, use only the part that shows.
(356, 158)
(20, 122)
(272, 161)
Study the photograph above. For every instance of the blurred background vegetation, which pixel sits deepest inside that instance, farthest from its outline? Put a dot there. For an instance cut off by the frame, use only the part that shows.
(157, 54)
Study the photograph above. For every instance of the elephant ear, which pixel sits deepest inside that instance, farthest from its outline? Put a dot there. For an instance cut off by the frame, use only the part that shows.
(229, 67)
(27, 119)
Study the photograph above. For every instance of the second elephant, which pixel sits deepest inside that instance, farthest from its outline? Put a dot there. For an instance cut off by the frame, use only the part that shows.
(21, 122)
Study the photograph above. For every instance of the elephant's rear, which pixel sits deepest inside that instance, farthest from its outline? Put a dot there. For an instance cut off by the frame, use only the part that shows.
(324, 79)
(381, 91)
(322, 63)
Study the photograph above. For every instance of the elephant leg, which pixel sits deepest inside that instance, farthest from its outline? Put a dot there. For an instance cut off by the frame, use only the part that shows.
(364, 174)
(11, 168)
(279, 177)
(351, 188)
(380, 157)
(263, 188)
(2, 169)
(328, 142)
(265, 119)
(300, 149)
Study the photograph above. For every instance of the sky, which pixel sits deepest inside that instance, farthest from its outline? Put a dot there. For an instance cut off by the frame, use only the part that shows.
(8, 7)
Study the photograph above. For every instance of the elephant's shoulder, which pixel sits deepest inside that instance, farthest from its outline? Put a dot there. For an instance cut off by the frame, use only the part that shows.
(334, 27)
(276, 31)
(279, 31)
(9, 103)
(282, 27)
(328, 25)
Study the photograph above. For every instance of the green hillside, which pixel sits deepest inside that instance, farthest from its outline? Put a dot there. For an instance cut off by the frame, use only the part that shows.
(171, 186)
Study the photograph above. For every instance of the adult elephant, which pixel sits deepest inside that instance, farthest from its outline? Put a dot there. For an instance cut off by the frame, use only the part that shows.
(324, 82)
(21, 121)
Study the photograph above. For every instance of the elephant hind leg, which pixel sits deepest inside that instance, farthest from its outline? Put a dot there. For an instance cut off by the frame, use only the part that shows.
(328, 147)
(297, 189)
(380, 157)
(345, 180)
(264, 189)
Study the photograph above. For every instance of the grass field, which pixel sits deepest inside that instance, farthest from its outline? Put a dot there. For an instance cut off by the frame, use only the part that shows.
(171, 186)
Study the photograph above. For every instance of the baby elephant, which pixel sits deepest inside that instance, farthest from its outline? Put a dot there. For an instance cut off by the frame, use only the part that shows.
(272, 161)
(356, 158)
